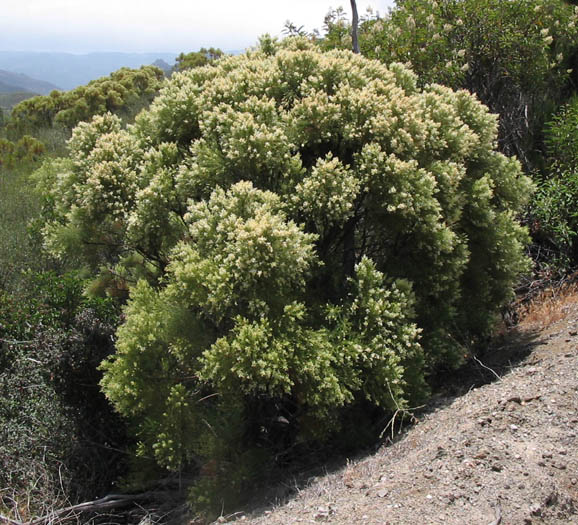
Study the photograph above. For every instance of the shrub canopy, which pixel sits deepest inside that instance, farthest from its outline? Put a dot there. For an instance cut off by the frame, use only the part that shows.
(305, 229)
(122, 90)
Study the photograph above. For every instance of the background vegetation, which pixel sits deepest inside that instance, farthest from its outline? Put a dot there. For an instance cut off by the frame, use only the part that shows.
(125, 90)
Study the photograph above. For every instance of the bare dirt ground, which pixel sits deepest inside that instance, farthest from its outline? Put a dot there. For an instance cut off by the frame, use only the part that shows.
(504, 453)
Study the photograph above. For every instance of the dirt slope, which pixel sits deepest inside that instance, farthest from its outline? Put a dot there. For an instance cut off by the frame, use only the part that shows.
(506, 452)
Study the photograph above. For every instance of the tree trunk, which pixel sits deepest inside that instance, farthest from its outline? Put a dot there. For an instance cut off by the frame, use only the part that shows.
(354, 26)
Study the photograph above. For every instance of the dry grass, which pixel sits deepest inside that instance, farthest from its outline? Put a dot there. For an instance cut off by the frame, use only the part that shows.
(549, 306)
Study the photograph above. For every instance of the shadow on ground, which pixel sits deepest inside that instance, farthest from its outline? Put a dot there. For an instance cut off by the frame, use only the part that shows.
(490, 363)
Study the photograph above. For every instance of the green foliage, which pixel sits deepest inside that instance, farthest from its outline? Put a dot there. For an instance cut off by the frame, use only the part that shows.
(555, 206)
(337, 29)
(51, 411)
(26, 150)
(514, 55)
(19, 204)
(308, 232)
(555, 210)
(6, 151)
(125, 90)
(561, 138)
(199, 58)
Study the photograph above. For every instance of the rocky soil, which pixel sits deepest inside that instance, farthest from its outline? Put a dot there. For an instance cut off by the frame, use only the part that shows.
(504, 452)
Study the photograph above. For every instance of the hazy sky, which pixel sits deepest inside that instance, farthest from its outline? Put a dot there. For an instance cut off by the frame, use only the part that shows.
(81, 26)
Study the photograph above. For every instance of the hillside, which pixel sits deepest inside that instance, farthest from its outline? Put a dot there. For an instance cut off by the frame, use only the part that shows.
(505, 452)
(69, 71)
(7, 88)
(9, 100)
(17, 82)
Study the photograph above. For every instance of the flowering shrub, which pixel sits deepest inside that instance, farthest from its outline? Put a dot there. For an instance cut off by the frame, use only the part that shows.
(307, 232)
(515, 55)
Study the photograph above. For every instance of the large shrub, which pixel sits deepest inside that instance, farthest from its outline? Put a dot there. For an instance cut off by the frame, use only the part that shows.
(305, 230)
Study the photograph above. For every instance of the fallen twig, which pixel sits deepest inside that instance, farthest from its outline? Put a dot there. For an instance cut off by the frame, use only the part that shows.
(487, 368)
(399, 411)
(112, 501)
(7, 521)
(14, 342)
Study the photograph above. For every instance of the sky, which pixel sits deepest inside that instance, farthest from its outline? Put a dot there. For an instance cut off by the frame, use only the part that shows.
(84, 26)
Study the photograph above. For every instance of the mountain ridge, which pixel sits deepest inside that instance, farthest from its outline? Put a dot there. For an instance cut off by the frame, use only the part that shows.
(68, 70)
(11, 82)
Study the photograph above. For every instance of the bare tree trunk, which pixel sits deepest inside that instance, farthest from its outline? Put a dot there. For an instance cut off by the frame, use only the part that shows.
(349, 229)
(354, 26)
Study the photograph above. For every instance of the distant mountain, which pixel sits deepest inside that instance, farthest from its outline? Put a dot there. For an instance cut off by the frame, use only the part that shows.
(9, 88)
(69, 71)
(160, 63)
(11, 82)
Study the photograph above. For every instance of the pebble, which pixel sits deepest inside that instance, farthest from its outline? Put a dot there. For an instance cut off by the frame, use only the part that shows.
(482, 453)
(323, 513)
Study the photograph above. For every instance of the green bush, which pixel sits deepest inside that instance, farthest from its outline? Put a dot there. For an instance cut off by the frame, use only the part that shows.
(306, 230)
(126, 90)
(6, 152)
(19, 204)
(199, 58)
(26, 150)
(555, 206)
(561, 138)
(58, 434)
